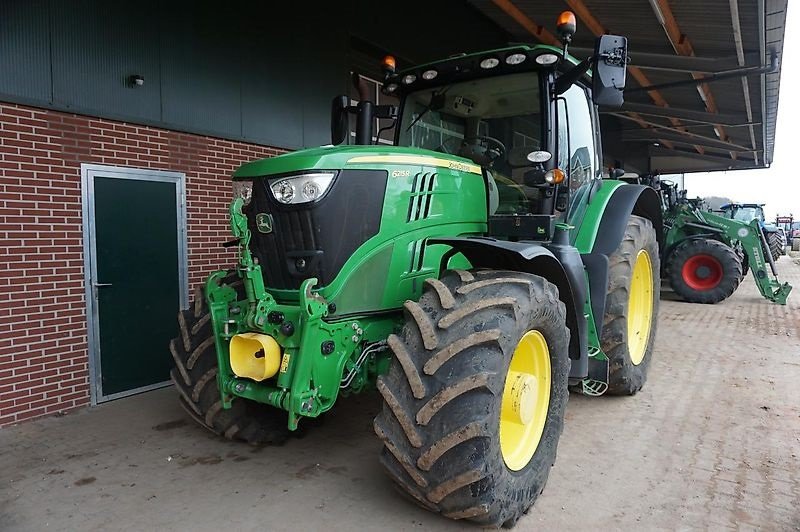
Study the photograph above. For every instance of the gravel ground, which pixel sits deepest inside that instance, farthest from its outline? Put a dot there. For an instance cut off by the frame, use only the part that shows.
(711, 442)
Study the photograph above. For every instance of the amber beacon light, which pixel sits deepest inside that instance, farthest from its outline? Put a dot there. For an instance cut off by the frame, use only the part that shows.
(389, 64)
(566, 26)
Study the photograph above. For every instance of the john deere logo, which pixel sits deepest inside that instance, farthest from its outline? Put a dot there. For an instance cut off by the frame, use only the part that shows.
(264, 222)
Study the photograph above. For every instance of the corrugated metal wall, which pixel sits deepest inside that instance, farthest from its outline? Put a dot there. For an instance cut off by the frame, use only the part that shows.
(243, 70)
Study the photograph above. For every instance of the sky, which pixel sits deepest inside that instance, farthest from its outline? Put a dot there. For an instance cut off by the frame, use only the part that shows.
(778, 186)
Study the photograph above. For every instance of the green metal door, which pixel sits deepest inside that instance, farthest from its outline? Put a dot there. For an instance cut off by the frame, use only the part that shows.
(136, 281)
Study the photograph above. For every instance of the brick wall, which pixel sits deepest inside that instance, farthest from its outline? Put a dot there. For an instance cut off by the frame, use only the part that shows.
(43, 352)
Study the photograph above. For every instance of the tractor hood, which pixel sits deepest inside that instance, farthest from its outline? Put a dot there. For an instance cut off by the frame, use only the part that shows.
(340, 157)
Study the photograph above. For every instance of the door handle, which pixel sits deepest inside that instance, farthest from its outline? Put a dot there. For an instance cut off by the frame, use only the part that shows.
(101, 285)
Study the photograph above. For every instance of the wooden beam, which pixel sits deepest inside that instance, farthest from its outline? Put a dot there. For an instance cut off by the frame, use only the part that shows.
(676, 63)
(538, 31)
(689, 115)
(683, 46)
(641, 78)
(678, 137)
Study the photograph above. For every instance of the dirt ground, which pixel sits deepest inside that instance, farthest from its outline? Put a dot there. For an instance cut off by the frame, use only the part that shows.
(711, 442)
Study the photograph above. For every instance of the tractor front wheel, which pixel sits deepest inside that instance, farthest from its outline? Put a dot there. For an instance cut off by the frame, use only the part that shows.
(473, 405)
(775, 245)
(631, 311)
(704, 271)
(195, 378)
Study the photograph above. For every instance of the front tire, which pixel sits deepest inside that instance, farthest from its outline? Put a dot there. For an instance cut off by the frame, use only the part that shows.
(631, 311)
(195, 378)
(457, 392)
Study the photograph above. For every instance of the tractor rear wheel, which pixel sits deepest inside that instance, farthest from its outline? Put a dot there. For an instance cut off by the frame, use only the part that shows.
(473, 404)
(631, 311)
(704, 271)
(195, 378)
(796, 244)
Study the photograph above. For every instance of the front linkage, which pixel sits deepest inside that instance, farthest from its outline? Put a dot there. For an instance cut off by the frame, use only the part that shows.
(311, 359)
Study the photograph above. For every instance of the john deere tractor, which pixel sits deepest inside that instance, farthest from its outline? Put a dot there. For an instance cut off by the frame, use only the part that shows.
(706, 255)
(472, 273)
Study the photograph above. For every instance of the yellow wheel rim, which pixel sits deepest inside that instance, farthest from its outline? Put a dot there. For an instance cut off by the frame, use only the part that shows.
(526, 398)
(640, 307)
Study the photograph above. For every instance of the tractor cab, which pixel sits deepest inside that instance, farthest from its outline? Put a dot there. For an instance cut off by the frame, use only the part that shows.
(525, 115)
(744, 212)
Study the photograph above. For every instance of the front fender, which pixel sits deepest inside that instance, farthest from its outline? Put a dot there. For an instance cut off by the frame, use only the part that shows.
(610, 222)
(531, 257)
(602, 231)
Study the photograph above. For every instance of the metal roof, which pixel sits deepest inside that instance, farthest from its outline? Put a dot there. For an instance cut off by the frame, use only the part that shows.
(723, 125)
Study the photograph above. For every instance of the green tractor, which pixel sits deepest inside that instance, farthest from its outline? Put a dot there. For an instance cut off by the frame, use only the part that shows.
(472, 273)
(747, 212)
(706, 255)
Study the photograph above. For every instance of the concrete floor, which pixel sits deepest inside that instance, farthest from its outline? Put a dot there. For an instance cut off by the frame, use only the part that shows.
(713, 441)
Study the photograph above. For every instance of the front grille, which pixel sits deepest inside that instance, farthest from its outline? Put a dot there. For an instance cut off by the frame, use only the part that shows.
(316, 239)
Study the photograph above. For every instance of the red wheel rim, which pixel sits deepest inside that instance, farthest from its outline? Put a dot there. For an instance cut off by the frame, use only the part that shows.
(702, 272)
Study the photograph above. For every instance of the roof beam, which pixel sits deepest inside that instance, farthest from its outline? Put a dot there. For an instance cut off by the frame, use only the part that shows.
(688, 135)
(737, 39)
(598, 29)
(652, 135)
(682, 114)
(680, 43)
(665, 152)
(537, 30)
(677, 63)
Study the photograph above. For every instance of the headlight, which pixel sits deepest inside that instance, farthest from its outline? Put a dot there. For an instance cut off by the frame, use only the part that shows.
(301, 188)
(243, 189)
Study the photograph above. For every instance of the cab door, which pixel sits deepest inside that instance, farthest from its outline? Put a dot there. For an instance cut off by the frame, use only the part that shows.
(578, 151)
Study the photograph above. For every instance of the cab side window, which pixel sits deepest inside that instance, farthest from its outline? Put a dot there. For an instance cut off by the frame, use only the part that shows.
(581, 163)
(577, 154)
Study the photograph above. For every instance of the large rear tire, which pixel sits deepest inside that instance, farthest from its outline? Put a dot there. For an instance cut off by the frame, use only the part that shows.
(631, 311)
(796, 244)
(704, 271)
(195, 378)
(473, 404)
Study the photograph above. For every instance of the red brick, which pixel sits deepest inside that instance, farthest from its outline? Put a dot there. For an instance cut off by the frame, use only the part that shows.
(43, 351)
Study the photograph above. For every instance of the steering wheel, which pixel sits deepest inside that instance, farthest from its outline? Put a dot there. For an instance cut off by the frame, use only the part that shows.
(485, 152)
(494, 147)
(443, 146)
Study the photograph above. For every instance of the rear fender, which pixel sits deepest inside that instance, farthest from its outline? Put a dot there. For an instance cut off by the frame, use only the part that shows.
(535, 258)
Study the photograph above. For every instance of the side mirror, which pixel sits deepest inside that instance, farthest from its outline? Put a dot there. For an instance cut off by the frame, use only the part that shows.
(608, 77)
(340, 126)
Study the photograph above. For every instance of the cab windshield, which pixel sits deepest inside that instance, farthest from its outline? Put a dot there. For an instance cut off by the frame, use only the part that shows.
(450, 119)
(746, 214)
(496, 122)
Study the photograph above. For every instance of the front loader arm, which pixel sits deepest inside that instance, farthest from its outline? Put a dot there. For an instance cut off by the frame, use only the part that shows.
(753, 244)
